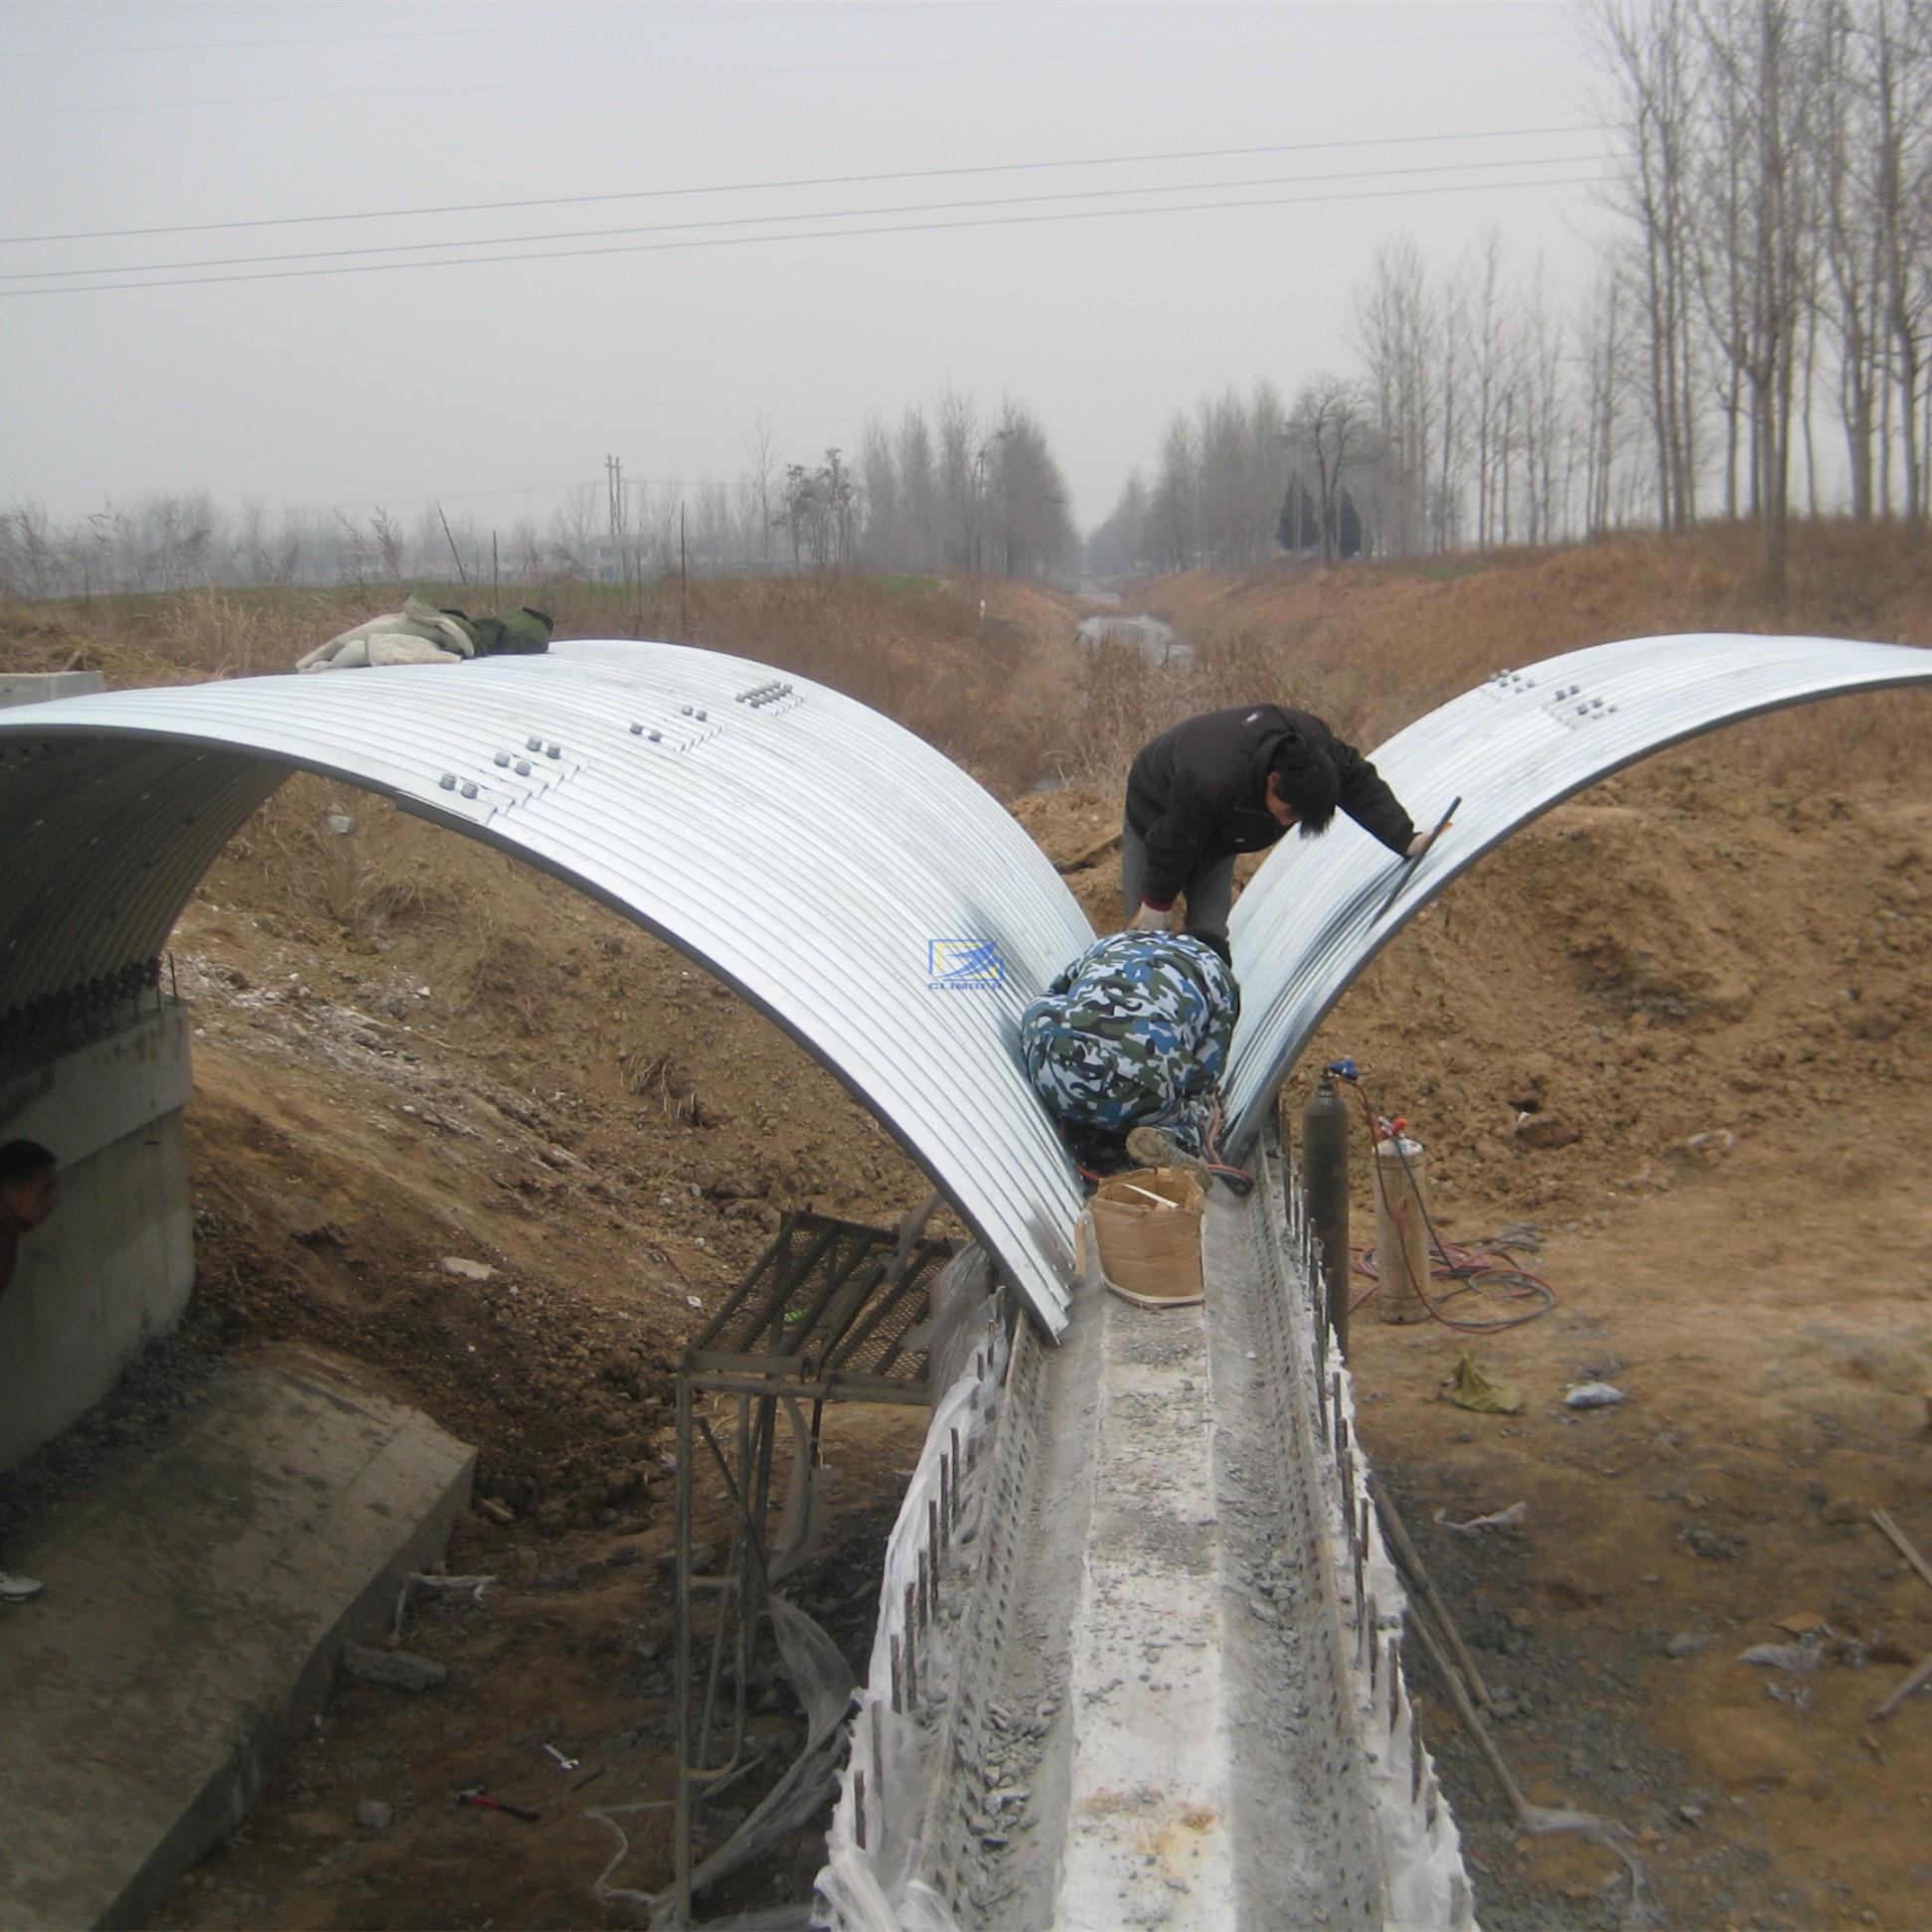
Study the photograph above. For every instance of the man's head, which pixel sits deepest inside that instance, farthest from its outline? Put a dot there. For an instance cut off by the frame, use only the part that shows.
(1303, 788)
(30, 1183)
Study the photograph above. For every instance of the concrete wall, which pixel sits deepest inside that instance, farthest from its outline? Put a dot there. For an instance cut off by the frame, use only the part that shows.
(37, 687)
(115, 1263)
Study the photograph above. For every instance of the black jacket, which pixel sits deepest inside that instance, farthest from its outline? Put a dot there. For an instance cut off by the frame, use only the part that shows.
(1198, 792)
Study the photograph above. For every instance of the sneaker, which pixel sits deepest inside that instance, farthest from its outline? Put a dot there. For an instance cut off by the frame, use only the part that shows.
(1151, 1147)
(17, 1590)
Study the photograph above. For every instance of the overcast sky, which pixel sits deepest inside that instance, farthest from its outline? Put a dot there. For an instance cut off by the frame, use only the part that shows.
(497, 384)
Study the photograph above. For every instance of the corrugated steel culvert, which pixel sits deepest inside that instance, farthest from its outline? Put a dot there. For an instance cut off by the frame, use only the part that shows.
(837, 870)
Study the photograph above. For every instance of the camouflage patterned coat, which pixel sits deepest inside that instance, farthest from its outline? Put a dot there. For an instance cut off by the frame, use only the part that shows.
(1134, 1034)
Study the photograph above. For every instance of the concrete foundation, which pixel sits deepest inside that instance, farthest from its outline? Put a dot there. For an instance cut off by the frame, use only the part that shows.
(115, 1263)
(1147, 1669)
(195, 1606)
(41, 686)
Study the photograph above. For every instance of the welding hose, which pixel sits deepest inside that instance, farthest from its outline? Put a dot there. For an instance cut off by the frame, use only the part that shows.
(1466, 1272)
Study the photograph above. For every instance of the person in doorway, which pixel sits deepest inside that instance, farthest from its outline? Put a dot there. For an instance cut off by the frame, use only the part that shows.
(1233, 781)
(29, 1179)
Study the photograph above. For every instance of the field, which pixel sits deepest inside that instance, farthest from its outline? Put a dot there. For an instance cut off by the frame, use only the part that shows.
(1707, 974)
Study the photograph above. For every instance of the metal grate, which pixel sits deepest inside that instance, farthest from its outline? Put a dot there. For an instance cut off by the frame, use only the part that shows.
(826, 1315)
(826, 1302)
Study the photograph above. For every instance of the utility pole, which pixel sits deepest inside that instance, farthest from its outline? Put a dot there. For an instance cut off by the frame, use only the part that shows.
(683, 614)
(461, 572)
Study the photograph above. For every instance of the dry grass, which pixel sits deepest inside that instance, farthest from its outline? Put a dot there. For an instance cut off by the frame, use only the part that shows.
(222, 635)
(1368, 646)
(359, 887)
(648, 1073)
(991, 695)
(1372, 647)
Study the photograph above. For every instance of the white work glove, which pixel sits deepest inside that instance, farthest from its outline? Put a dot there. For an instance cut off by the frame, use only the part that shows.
(1152, 918)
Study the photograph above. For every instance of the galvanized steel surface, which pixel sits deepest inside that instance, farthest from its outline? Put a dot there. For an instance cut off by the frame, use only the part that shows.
(800, 846)
(1311, 919)
(809, 852)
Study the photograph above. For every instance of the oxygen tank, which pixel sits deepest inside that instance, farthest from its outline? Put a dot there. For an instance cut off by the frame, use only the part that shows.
(1401, 1229)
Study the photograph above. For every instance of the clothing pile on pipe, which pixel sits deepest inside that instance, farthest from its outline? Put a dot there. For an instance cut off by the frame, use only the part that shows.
(419, 633)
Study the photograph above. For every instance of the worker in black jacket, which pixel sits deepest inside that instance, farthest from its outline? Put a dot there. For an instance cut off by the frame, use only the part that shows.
(1233, 781)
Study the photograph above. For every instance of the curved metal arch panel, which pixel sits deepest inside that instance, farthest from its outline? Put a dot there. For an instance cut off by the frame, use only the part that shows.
(803, 848)
(1313, 916)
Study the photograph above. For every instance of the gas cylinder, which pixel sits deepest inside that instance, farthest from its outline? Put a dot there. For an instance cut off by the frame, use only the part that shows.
(1401, 1229)
(1325, 1184)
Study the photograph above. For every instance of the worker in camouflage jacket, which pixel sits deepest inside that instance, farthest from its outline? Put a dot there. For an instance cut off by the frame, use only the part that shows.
(1133, 1036)
(1233, 781)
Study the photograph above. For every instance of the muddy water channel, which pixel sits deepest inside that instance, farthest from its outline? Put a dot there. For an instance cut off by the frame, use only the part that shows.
(1155, 639)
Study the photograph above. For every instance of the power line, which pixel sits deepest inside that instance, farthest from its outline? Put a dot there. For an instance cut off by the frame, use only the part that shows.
(656, 79)
(806, 235)
(817, 181)
(811, 215)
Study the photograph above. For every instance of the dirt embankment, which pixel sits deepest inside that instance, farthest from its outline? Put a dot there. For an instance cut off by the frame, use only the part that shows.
(1372, 646)
(1678, 1025)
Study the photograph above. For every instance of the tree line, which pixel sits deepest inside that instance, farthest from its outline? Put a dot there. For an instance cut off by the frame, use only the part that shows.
(1754, 341)
(949, 487)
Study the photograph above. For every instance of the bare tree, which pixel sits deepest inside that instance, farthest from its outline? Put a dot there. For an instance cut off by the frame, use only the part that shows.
(1173, 513)
(386, 534)
(1329, 429)
(574, 530)
(1601, 346)
(1902, 81)
(1850, 291)
(881, 542)
(1029, 524)
(762, 481)
(1648, 48)
(1761, 68)
(958, 478)
(1397, 330)
(1118, 547)
(1494, 373)
(31, 560)
(918, 483)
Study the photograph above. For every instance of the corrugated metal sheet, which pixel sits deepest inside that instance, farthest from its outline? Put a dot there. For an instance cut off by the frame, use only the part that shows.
(801, 847)
(808, 851)
(1310, 918)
